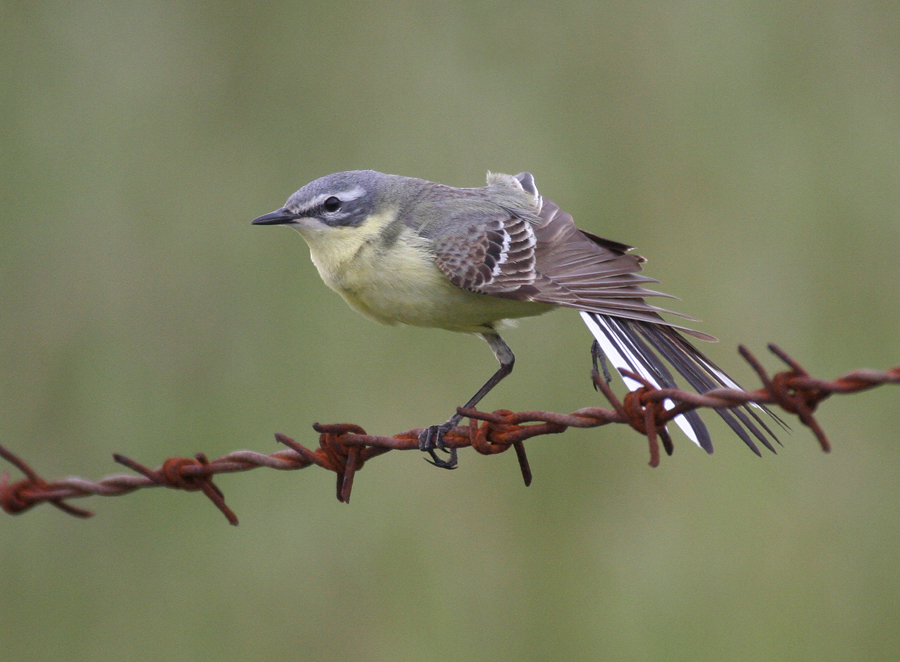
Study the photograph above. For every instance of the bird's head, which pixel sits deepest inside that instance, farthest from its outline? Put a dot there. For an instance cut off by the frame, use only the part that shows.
(342, 200)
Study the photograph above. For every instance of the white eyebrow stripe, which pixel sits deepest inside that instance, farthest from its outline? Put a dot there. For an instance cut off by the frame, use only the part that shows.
(352, 194)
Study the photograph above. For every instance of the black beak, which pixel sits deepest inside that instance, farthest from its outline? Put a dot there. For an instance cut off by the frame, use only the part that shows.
(278, 217)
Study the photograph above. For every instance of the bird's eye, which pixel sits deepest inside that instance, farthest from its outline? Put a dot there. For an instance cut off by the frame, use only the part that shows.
(332, 204)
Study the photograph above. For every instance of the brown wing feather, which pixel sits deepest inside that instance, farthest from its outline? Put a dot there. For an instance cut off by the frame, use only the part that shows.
(593, 274)
(553, 262)
(496, 257)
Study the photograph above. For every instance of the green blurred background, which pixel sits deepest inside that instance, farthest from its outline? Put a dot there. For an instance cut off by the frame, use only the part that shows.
(751, 150)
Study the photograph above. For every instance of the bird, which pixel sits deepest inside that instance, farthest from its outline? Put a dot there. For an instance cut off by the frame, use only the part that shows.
(403, 250)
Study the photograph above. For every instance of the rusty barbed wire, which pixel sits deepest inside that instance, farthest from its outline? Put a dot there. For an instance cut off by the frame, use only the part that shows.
(345, 448)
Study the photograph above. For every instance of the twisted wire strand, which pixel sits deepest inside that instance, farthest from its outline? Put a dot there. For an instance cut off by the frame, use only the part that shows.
(345, 448)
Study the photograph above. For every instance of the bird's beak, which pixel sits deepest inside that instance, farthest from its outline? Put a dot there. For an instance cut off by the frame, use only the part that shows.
(278, 217)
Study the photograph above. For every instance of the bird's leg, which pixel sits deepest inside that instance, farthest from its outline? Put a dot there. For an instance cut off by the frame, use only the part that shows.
(598, 358)
(433, 437)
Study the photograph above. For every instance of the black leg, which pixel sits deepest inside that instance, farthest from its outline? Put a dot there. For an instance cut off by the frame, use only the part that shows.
(598, 357)
(432, 437)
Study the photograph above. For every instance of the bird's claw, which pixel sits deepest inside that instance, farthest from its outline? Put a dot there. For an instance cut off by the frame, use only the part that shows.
(431, 439)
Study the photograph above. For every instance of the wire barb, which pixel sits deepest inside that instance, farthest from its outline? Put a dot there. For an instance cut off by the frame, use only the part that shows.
(184, 473)
(345, 448)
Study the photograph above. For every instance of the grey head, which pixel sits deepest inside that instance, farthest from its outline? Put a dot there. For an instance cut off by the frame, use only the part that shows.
(347, 199)
(344, 199)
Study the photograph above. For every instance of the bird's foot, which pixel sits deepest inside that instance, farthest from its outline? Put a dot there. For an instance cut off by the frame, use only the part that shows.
(432, 439)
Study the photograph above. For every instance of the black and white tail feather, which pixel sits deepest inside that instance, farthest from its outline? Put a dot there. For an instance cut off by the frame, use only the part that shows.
(637, 346)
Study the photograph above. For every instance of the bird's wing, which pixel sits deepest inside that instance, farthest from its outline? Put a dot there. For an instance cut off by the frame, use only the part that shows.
(580, 270)
(501, 254)
(494, 254)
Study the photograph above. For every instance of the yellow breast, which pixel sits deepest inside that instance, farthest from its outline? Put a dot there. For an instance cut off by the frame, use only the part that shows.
(400, 283)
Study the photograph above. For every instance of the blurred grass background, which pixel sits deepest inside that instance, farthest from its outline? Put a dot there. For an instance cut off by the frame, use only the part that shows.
(750, 149)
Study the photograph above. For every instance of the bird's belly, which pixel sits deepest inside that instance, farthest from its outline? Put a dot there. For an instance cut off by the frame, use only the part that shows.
(442, 305)
(404, 286)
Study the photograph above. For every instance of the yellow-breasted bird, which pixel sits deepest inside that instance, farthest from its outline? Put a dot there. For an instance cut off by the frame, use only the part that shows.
(402, 250)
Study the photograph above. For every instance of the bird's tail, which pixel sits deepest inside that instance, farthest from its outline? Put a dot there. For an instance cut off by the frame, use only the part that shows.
(641, 346)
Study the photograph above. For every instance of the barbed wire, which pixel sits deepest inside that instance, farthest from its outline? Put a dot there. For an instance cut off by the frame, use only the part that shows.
(345, 448)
